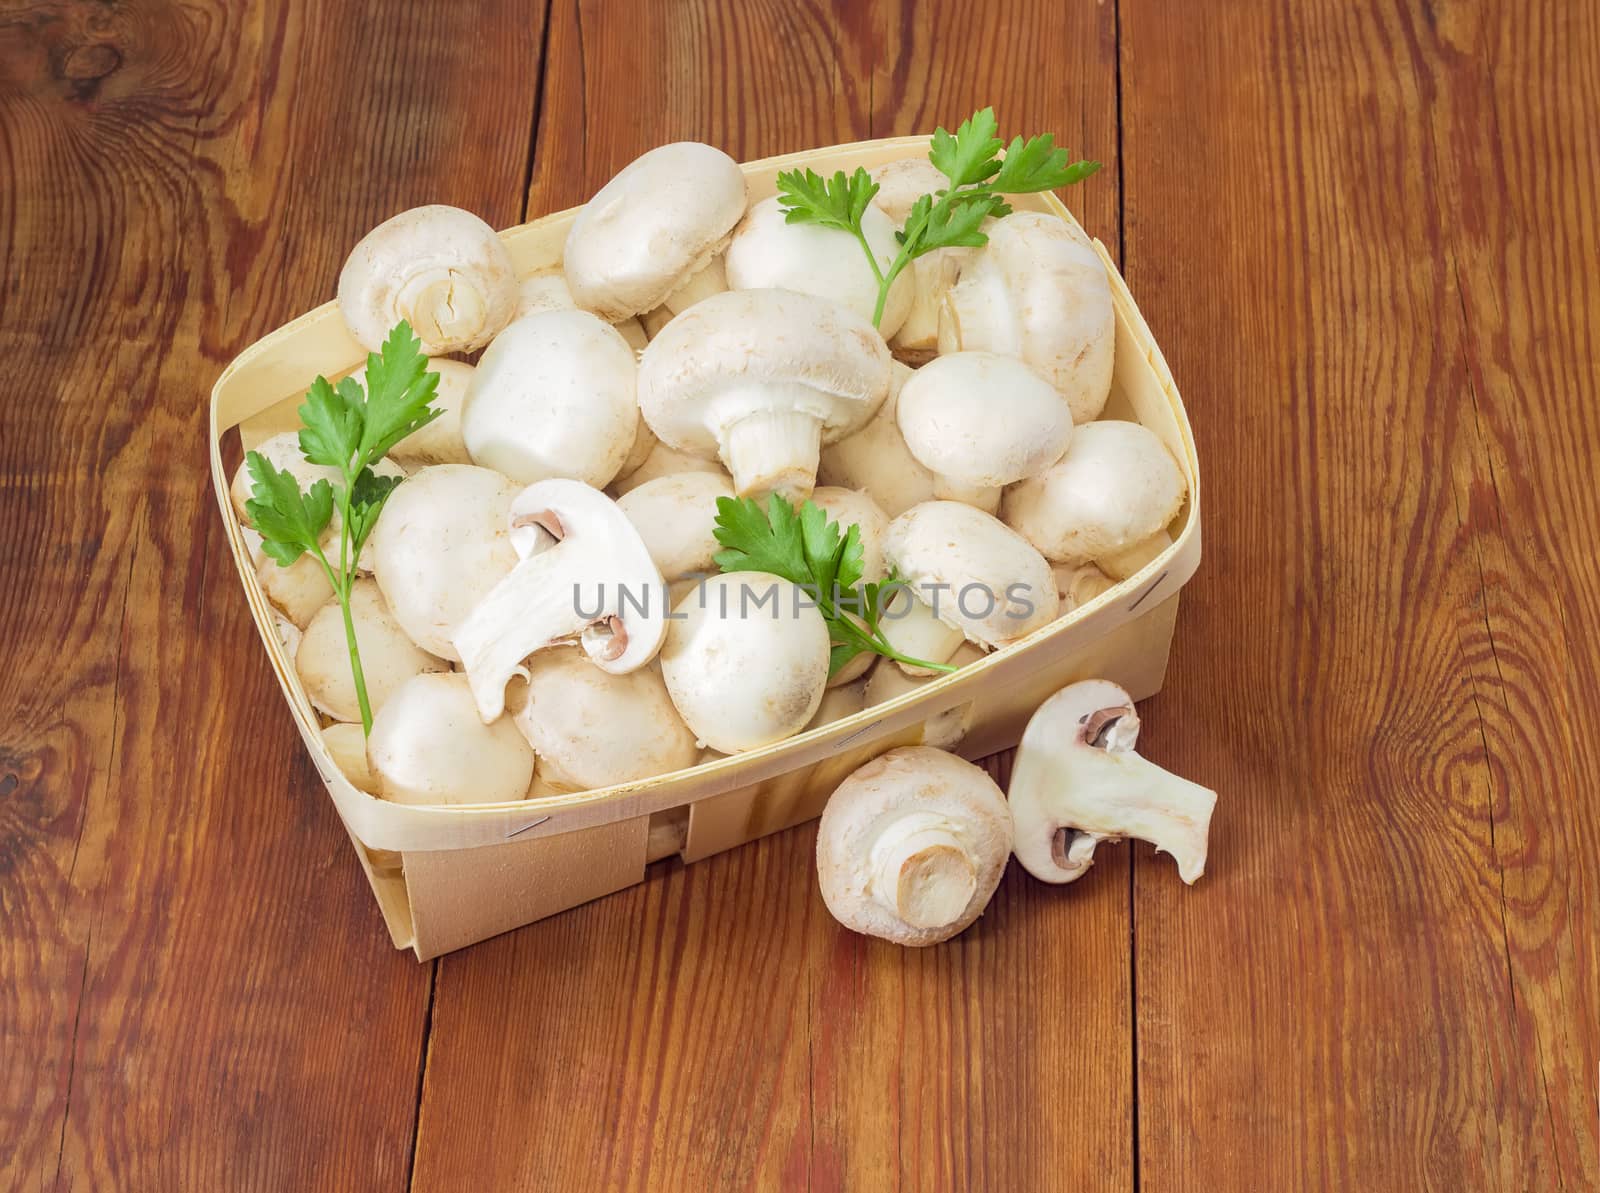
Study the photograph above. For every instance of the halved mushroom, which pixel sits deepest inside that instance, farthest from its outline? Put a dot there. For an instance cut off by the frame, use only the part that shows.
(441, 269)
(1038, 291)
(429, 747)
(900, 184)
(768, 252)
(676, 517)
(441, 544)
(1116, 487)
(554, 396)
(591, 728)
(651, 236)
(978, 420)
(584, 574)
(997, 588)
(877, 461)
(388, 656)
(762, 378)
(1077, 782)
(746, 660)
(912, 846)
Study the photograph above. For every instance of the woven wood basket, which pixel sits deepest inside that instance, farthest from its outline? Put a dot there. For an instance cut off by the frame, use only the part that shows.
(445, 877)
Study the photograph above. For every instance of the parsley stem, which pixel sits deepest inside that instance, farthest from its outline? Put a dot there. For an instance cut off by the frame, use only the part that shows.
(342, 590)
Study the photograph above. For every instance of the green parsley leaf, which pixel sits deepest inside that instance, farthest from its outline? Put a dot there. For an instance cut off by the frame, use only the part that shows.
(330, 432)
(808, 198)
(969, 156)
(289, 522)
(399, 392)
(1037, 165)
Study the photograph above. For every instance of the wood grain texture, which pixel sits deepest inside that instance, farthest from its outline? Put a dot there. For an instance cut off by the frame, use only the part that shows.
(724, 1030)
(198, 990)
(1387, 979)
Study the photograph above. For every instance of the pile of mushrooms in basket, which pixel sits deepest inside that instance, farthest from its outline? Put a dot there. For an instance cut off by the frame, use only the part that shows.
(729, 472)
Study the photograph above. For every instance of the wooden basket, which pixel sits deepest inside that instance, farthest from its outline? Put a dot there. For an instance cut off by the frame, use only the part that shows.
(448, 876)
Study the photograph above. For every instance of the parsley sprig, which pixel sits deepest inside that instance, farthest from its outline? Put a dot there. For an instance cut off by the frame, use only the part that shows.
(805, 547)
(953, 217)
(349, 429)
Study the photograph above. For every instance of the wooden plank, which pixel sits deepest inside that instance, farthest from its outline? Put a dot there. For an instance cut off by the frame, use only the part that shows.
(1359, 253)
(196, 979)
(715, 1027)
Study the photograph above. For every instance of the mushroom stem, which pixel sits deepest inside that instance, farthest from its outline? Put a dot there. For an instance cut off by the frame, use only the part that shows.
(442, 306)
(975, 312)
(922, 872)
(773, 451)
(703, 283)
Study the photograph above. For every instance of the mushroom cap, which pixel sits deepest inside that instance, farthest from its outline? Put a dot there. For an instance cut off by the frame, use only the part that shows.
(981, 419)
(768, 252)
(441, 269)
(999, 587)
(297, 591)
(746, 660)
(1079, 583)
(912, 796)
(592, 729)
(440, 441)
(876, 460)
(347, 743)
(554, 396)
(1038, 291)
(544, 290)
(441, 545)
(902, 182)
(661, 461)
(658, 222)
(849, 507)
(1116, 486)
(429, 747)
(676, 517)
(388, 656)
(745, 352)
(841, 701)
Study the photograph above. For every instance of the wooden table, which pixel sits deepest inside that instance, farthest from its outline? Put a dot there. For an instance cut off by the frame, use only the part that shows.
(1365, 234)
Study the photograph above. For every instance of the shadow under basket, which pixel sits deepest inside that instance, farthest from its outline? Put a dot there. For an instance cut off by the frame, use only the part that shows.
(446, 877)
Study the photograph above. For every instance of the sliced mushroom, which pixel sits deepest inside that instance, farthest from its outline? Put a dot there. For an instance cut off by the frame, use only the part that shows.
(1038, 291)
(762, 378)
(441, 545)
(584, 573)
(877, 461)
(651, 236)
(1077, 782)
(1116, 487)
(591, 728)
(900, 184)
(554, 396)
(746, 660)
(997, 587)
(441, 269)
(912, 846)
(676, 517)
(388, 656)
(428, 746)
(978, 420)
(768, 252)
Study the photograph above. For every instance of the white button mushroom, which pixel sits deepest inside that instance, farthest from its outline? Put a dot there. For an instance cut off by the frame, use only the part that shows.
(767, 252)
(584, 573)
(1038, 291)
(441, 269)
(651, 236)
(944, 730)
(440, 441)
(429, 747)
(664, 461)
(980, 420)
(441, 544)
(592, 729)
(388, 656)
(547, 290)
(900, 184)
(283, 452)
(1119, 565)
(1116, 487)
(840, 702)
(991, 583)
(912, 846)
(1079, 583)
(676, 517)
(347, 742)
(763, 378)
(554, 396)
(850, 508)
(913, 628)
(1076, 782)
(746, 660)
